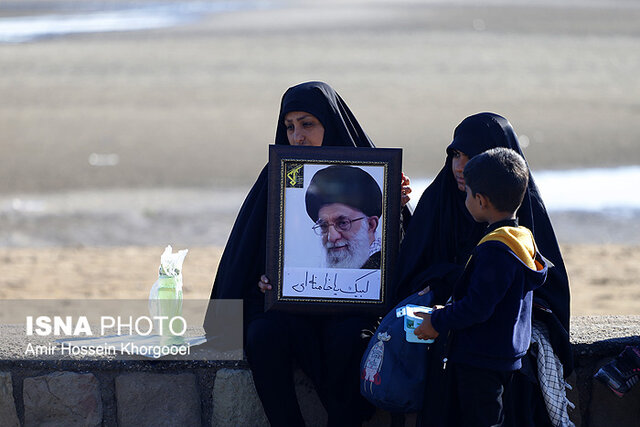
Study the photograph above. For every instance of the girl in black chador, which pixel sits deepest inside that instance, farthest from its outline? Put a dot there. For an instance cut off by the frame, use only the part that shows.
(327, 348)
(438, 243)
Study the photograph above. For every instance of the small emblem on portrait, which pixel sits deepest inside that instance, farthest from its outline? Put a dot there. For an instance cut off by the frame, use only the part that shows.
(294, 175)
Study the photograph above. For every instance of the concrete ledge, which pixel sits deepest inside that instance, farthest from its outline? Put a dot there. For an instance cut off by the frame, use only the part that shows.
(597, 340)
(219, 393)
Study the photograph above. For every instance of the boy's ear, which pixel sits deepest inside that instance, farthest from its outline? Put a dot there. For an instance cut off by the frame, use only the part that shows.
(483, 200)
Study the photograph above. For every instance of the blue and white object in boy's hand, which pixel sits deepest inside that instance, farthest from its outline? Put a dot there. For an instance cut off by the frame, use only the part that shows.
(411, 321)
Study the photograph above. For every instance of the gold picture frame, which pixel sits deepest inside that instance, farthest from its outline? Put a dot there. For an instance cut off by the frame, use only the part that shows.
(315, 265)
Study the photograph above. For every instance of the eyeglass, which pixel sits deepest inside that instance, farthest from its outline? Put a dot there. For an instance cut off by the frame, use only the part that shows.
(342, 224)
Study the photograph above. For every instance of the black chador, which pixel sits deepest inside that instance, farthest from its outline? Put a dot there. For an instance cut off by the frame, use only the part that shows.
(327, 348)
(442, 235)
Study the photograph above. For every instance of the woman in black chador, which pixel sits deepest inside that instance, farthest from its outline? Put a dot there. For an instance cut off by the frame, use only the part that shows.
(440, 239)
(327, 348)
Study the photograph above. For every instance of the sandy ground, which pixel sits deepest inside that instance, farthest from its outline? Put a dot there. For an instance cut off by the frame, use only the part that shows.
(605, 279)
(178, 106)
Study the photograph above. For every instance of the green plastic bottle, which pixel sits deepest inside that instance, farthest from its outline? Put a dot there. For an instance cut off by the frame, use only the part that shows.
(170, 305)
(165, 298)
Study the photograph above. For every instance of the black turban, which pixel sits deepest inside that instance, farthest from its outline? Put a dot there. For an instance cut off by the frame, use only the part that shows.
(348, 185)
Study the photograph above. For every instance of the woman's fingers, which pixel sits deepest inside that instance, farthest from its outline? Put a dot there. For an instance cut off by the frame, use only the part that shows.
(405, 189)
(405, 179)
(263, 284)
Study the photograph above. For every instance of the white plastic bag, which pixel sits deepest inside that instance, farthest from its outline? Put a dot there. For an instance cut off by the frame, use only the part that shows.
(170, 266)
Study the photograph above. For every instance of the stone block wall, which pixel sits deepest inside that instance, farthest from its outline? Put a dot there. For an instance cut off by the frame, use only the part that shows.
(62, 398)
(214, 393)
(8, 413)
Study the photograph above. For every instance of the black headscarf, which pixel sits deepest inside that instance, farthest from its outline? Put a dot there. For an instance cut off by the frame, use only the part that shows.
(318, 98)
(442, 233)
(243, 259)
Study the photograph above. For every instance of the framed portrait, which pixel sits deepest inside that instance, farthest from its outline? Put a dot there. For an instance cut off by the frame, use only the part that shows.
(333, 228)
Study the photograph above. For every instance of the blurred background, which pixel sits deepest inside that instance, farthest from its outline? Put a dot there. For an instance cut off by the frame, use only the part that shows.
(142, 123)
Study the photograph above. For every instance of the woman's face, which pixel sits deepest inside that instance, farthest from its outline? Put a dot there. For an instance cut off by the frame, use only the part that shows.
(303, 129)
(458, 160)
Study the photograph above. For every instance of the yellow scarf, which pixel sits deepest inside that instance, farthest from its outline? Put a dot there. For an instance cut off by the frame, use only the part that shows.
(520, 241)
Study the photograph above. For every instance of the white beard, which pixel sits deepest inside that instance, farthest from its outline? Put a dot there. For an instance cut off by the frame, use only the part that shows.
(354, 254)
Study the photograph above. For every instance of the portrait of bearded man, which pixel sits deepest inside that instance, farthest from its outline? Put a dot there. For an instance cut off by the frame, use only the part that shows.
(345, 203)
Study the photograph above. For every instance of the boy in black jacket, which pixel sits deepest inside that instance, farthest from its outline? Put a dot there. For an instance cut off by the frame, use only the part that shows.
(489, 318)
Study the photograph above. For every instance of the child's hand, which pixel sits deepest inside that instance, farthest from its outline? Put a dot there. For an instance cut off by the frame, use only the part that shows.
(425, 331)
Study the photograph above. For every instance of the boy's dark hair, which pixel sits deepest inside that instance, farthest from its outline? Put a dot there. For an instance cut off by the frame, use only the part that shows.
(501, 175)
